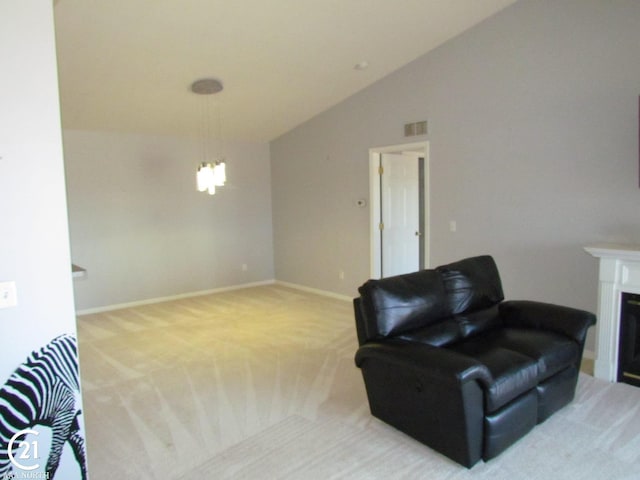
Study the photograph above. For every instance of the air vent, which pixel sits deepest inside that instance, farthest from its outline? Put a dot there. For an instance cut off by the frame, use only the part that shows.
(409, 129)
(416, 128)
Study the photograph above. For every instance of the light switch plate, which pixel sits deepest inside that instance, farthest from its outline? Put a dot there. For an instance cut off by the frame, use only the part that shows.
(8, 295)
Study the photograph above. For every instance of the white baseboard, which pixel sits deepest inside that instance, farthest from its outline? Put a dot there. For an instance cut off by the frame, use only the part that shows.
(151, 301)
(317, 291)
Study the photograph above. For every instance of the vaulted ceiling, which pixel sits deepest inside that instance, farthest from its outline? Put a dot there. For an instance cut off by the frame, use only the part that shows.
(127, 65)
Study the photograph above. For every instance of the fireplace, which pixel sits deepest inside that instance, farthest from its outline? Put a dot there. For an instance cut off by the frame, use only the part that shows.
(617, 344)
(629, 339)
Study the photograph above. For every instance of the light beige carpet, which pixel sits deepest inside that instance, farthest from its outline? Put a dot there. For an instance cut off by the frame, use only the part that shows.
(260, 384)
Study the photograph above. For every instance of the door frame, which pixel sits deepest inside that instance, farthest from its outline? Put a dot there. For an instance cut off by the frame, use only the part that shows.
(419, 149)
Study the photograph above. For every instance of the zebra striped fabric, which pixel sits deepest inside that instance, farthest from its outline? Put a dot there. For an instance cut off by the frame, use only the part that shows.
(44, 390)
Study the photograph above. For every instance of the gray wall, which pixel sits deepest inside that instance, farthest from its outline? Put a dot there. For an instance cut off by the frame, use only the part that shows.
(143, 232)
(533, 131)
(34, 240)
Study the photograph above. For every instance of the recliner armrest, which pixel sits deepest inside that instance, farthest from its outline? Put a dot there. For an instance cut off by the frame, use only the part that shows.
(568, 321)
(439, 364)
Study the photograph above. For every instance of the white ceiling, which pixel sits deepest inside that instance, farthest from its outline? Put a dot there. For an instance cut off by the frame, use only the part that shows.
(127, 65)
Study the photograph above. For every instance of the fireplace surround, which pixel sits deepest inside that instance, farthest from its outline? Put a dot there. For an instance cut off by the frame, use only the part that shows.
(619, 273)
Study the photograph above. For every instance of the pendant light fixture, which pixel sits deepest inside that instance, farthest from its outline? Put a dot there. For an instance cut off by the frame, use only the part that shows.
(212, 170)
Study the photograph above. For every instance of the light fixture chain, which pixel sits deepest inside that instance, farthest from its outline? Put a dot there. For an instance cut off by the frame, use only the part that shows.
(219, 121)
(203, 131)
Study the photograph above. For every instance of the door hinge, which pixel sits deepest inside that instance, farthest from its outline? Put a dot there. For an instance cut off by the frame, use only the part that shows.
(380, 170)
(381, 226)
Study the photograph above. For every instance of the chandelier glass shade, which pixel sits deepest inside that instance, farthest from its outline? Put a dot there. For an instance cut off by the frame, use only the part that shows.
(211, 173)
(210, 176)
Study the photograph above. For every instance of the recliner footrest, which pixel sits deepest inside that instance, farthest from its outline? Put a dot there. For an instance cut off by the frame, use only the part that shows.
(507, 425)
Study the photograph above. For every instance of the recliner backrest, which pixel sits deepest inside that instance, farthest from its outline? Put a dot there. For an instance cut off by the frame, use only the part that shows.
(397, 304)
(471, 284)
(404, 303)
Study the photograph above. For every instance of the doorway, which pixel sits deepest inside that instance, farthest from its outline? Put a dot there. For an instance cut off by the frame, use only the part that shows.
(399, 190)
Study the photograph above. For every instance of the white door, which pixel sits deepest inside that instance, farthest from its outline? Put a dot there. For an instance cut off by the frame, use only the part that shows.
(400, 213)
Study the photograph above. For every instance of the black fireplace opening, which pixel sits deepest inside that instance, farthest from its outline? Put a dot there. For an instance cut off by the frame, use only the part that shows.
(629, 340)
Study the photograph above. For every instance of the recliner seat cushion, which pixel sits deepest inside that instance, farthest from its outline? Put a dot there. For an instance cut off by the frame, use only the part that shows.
(519, 359)
(552, 352)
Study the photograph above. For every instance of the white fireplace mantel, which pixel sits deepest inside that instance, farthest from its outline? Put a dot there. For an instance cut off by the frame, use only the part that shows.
(619, 272)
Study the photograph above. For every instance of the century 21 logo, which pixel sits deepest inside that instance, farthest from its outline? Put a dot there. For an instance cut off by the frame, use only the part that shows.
(30, 450)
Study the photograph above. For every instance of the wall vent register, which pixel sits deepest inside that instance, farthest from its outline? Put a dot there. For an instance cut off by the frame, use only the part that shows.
(414, 129)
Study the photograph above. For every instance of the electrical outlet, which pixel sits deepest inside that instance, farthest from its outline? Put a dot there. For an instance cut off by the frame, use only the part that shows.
(8, 296)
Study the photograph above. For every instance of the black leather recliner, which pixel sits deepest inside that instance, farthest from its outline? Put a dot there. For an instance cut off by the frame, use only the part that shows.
(446, 361)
